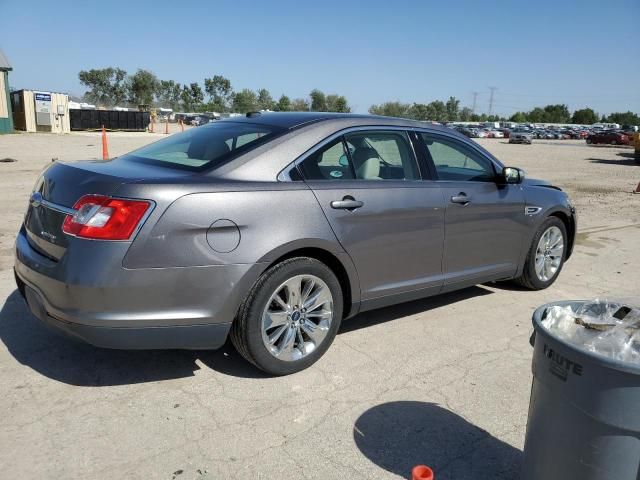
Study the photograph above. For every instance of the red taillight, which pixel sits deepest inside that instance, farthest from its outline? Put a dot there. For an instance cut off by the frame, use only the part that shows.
(104, 218)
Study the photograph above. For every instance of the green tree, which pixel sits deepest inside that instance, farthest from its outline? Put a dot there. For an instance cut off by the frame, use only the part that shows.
(556, 114)
(107, 86)
(417, 111)
(585, 116)
(300, 105)
(391, 109)
(245, 101)
(185, 97)
(453, 109)
(537, 115)
(142, 87)
(318, 101)
(337, 103)
(519, 117)
(168, 94)
(627, 118)
(465, 114)
(265, 100)
(284, 104)
(197, 96)
(220, 92)
(437, 111)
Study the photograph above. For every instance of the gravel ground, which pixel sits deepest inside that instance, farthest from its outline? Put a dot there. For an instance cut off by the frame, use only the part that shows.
(442, 381)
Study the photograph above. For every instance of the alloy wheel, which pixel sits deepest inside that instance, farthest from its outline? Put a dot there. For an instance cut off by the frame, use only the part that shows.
(297, 317)
(549, 253)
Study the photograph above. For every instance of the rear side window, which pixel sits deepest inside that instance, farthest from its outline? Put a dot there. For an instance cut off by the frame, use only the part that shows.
(375, 155)
(329, 163)
(205, 147)
(379, 155)
(456, 162)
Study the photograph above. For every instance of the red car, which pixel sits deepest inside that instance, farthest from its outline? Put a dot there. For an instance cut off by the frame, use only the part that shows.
(612, 138)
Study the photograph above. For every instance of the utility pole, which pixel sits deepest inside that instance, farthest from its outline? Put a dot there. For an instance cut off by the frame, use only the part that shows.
(475, 96)
(493, 89)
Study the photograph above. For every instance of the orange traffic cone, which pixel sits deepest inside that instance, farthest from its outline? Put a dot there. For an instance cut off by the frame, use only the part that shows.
(105, 146)
(166, 127)
(637, 190)
(422, 472)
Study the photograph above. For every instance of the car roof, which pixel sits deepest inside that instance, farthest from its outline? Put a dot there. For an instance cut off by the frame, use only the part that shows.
(292, 120)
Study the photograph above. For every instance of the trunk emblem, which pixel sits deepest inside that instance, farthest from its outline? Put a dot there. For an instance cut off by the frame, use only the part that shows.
(36, 199)
(48, 236)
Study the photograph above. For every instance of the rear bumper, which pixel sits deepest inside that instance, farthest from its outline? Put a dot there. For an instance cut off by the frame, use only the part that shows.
(192, 337)
(95, 299)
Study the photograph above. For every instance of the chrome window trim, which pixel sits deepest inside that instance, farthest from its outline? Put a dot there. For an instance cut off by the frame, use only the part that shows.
(284, 175)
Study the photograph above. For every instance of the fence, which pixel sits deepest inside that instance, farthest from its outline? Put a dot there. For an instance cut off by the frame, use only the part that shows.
(111, 119)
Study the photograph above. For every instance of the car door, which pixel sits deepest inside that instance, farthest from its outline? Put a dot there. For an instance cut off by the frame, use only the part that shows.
(390, 222)
(484, 218)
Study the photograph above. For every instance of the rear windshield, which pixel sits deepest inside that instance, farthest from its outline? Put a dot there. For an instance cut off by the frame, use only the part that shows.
(205, 147)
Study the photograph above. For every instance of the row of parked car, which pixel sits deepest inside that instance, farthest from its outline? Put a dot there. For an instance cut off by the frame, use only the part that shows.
(195, 119)
(524, 134)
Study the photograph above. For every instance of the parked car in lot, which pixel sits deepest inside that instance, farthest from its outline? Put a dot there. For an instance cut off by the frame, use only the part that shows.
(521, 136)
(610, 137)
(272, 228)
(494, 133)
(201, 120)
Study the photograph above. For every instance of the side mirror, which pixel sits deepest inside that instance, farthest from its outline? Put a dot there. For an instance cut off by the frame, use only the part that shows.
(512, 175)
(343, 161)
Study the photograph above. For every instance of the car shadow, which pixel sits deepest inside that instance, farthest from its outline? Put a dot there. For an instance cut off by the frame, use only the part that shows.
(387, 314)
(61, 358)
(508, 286)
(396, 436)
(628, 161)
(64, 359)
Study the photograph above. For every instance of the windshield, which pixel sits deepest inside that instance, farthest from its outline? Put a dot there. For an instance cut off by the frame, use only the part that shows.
(205, 147)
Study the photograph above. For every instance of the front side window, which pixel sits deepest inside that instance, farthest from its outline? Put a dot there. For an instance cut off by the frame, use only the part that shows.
(456, 162)
(204, 147)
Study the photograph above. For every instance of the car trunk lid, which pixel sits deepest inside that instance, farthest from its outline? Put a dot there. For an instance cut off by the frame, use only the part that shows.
(61, 185)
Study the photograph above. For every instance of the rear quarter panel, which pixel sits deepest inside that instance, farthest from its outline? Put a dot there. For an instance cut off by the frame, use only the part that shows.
(269, 222)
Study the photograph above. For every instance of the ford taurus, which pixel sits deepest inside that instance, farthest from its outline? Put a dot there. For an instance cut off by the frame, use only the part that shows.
(272, 228)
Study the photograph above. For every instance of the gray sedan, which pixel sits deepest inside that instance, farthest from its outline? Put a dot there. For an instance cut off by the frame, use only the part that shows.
(275, 227)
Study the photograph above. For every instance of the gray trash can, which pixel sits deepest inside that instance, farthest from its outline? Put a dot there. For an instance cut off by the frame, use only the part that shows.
(584, 412)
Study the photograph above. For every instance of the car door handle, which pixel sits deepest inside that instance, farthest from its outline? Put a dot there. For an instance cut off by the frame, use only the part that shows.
(461, 198)
(346, 203)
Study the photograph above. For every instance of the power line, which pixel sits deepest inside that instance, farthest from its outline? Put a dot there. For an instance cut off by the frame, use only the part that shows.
(493, 89)
(475, 96)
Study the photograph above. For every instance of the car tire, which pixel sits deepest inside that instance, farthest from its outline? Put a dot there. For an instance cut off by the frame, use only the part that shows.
(588, 141)
(249, 335)
(530, 277)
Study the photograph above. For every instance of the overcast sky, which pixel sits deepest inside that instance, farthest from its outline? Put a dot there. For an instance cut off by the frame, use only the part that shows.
(583, 53)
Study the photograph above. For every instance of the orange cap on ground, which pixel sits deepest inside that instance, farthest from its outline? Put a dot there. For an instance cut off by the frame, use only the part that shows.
(422, 472)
